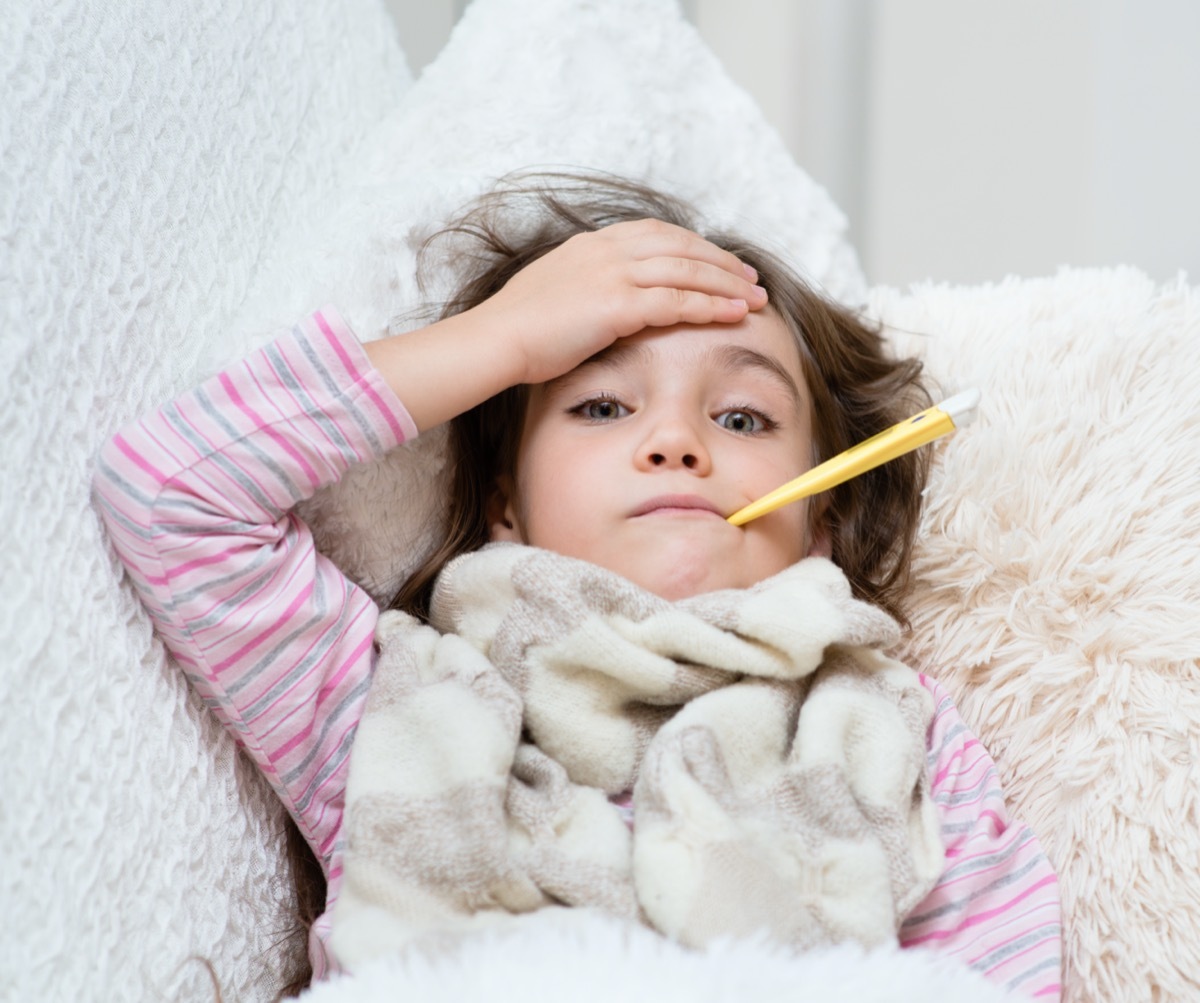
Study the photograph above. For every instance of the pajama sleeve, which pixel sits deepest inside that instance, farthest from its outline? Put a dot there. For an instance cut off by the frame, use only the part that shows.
(996, 905)
(197, 500)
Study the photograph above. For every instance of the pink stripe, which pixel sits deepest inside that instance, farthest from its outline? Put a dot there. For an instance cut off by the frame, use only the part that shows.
(968, 811)
(945, 709)
(999, 827)
(329, 842)
(982, 917)
(139, 461)
(260, 423)
(285, 697)
(228, 485)
(944, 706)
(351, 661)
(336, 779)
(312, 428)
(336, 344)
(398, 431)
(971, 812)
(197, 418)
(337, 775)
(278, 754)
(1055, 990)
(293, 552)
(200, 562)
(253, 643)
(306, 730)
(337, 677)
(959, 753)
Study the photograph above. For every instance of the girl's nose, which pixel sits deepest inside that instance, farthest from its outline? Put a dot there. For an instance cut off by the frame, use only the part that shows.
(674, 443)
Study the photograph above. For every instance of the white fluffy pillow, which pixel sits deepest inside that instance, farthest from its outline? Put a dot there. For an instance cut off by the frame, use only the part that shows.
(1058, 593)
(625, 86)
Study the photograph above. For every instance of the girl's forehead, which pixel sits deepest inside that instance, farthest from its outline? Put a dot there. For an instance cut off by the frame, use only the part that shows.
(761, 342)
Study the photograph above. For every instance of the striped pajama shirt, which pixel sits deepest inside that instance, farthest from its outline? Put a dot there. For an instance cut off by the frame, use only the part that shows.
(197, 498)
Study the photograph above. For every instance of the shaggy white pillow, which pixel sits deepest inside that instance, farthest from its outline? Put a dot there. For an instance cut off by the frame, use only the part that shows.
(1057, 593)
(626, 86)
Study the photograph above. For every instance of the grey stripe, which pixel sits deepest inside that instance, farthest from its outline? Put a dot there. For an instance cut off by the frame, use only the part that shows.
(227, 466)
(230, 527)
(1002, 881)
(115, 515)
(1055, 963)
(263, 460)
(957, 797)
(957, 828)
(342, 751)
(114, 477)
(317, 613)
(936, 754)
(261, 557)
(968, 867)
(1027, 939)
(318, 413)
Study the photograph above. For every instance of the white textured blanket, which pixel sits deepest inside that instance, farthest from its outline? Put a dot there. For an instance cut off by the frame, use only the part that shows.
(777, 760)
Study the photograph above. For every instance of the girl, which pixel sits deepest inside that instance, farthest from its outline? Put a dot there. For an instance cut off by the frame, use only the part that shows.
(617, 385)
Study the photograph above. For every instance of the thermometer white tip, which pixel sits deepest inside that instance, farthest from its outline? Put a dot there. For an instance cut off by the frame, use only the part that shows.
(961, 407)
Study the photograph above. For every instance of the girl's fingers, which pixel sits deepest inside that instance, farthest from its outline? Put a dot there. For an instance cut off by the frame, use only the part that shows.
(693, 275)
(663, 307)
(653, 238)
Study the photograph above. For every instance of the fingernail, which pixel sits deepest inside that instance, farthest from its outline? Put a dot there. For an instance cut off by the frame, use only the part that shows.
(751, 273)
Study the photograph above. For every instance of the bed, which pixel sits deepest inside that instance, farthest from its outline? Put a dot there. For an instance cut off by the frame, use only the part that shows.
(181, 181)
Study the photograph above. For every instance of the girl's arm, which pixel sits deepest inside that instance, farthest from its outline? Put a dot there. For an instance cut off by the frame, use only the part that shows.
(996, 905)
(197, 497)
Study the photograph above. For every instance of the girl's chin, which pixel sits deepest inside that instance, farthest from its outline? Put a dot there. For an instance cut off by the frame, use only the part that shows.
(682, 561)
(682, 576)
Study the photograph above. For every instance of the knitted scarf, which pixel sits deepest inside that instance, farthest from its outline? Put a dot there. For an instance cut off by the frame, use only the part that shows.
(777, 760)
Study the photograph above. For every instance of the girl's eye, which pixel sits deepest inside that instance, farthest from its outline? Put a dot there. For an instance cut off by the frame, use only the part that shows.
(602, 409)
(745, 422)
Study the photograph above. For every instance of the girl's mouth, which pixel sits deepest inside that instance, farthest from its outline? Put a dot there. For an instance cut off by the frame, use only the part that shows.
(676, 505)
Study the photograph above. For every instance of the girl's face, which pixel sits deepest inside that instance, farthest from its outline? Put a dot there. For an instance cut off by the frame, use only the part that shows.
(634, 459)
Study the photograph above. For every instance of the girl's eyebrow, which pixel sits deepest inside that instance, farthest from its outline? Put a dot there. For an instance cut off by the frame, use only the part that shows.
(736, 358)
(619, 355)
(731, 358)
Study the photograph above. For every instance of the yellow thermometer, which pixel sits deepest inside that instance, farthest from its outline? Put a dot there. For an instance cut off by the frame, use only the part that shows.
(930, 424)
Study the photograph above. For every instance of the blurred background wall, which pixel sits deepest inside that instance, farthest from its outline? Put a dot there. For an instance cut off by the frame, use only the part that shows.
(968, 140)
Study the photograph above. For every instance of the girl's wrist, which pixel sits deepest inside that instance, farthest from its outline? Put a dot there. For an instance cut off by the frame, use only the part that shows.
(446, 368)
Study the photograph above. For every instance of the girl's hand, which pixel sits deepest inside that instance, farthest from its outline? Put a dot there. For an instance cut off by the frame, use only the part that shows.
(560, 310)
(604, 285)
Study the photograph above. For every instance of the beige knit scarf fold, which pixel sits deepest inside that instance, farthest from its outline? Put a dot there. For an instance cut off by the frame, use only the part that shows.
(777, 760)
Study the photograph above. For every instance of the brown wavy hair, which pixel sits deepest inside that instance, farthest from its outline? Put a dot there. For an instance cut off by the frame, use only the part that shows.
(856, 389)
